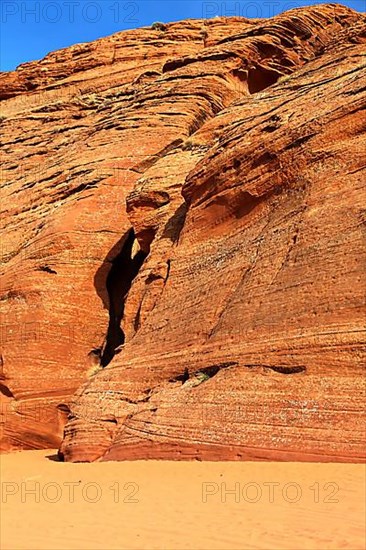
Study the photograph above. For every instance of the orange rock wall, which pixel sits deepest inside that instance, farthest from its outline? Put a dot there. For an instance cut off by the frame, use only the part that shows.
(195, 198)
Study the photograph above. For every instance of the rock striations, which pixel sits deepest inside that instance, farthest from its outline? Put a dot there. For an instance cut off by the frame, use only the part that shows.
(183, 242)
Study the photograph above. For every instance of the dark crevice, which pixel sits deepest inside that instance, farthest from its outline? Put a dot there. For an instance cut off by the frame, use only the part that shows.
(150, 161)
(168, 263)
(12, 295)
(153, 277)
(212, 370)
(137, 321)
(64, 408)
(47, 269)
(65, 194)
(288, 369)
(181, 377)
(111, 420)
(123, 271)
(260, 78)
(299, 141)
(257, 79)
(263, 159)
(274, 122)
(114, 288)
(137, 401)
(281, 369)
(209, 372)
(174, 64)
(4, 390)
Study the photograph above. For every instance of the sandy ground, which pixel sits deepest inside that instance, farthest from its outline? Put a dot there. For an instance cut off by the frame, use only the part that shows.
(179, 505)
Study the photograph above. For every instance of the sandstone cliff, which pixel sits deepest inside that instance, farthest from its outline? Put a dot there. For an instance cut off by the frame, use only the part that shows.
(194, 197)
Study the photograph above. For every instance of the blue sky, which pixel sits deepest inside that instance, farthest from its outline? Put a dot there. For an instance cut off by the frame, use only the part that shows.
(32, 28)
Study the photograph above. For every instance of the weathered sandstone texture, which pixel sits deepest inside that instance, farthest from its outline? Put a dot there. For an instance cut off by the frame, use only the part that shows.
(186, 207)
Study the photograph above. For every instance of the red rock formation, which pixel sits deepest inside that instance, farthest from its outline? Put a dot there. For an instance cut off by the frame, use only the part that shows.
(235, 158)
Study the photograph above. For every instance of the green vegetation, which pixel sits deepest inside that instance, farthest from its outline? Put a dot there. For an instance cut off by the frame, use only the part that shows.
(157, 26)
(283, 78)
(94, 370)
(202, 376)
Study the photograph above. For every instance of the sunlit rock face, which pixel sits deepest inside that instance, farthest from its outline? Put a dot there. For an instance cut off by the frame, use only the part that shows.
(183, 245)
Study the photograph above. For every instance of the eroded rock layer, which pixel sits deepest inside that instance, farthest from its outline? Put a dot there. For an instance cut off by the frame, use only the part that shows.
(185, 208)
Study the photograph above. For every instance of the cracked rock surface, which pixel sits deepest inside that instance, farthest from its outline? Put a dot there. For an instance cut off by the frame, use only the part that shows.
(186, 207)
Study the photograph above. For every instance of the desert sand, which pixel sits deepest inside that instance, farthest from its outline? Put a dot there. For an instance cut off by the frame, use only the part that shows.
(176, 505)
